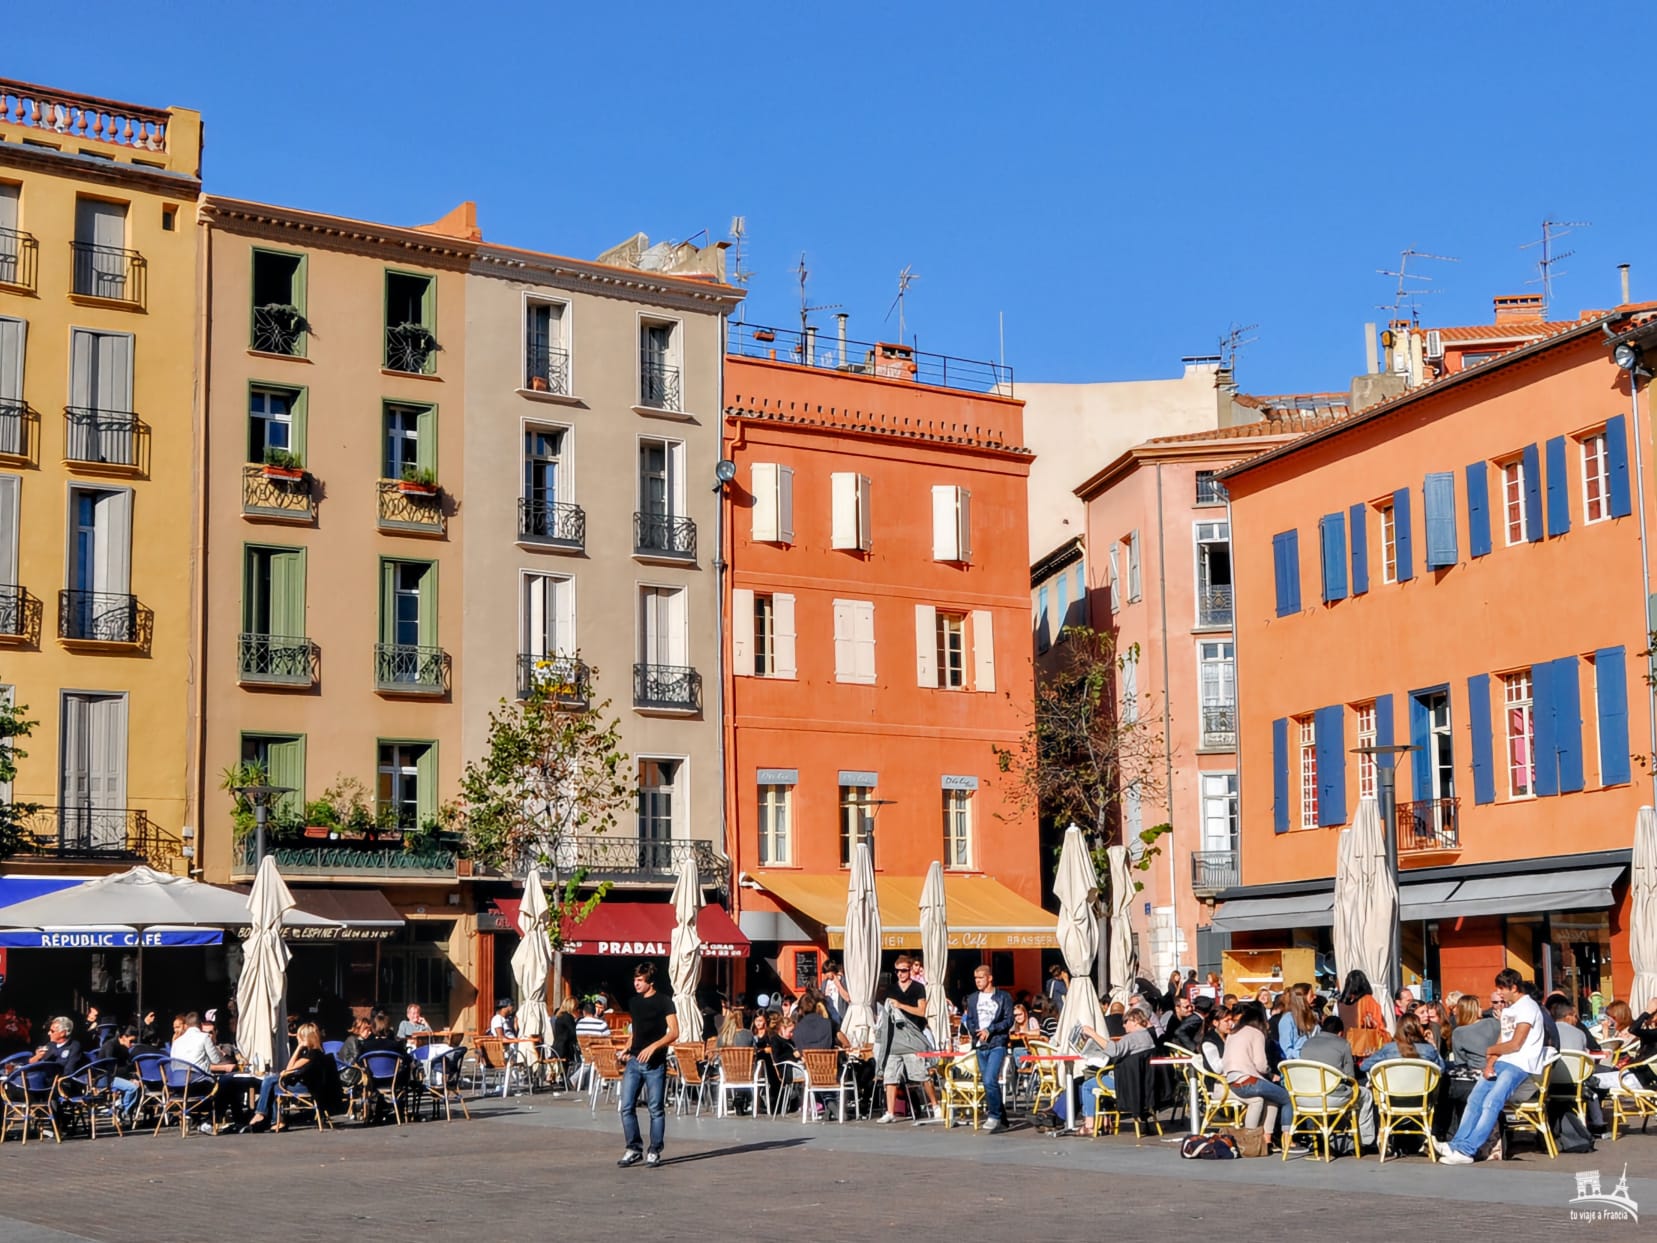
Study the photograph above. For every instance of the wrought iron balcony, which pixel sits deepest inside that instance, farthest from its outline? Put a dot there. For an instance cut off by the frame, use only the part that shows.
(658, 385)
(546, 367)
(12, 601)
(1433, 824)
(1213, 870)
(404, 669)
(566, 679)
(278, 330)
(105, 437)
(1219, 725)
(98, 617)
(360, 862)
(411, 507)
(410, 348)
(277, 495)
(108, 272)
(623, 858)
(16, 422)
(669, 687)
(1214, 605)
(664, 535)
(117, 834)
(552, 522)
(19, 258)
(277, 659)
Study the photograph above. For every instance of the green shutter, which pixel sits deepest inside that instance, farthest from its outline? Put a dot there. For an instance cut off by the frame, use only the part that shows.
(428, 305)
(297, 296)
(285, 766)
(287, 593)
(388, 601)
(296, 422)
(426, 447)
(428, 606)
(426, 780)
(251, 589)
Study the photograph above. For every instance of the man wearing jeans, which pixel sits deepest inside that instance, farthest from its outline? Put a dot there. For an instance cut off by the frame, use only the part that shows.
(988, 1017)
(655, 1028)
(1510, 1061)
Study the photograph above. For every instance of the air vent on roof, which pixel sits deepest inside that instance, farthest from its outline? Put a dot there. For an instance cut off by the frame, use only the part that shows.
(1435, 344)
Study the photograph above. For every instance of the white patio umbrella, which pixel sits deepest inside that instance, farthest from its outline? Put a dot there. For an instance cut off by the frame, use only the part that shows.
(1344, 922)
(1374, 949)
(1642, 899)
(1124, 956)
(684, 960)
(264, 980)
(1077, 886)
(861, 948)
(532, 960)
(935, 952)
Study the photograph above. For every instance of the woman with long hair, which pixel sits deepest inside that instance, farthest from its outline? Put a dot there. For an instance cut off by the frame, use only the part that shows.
(1470, 1039)
(1366, 1022)
(1297, 1023)
(1247, 1071)
(1410, 1042)
(310, 1066)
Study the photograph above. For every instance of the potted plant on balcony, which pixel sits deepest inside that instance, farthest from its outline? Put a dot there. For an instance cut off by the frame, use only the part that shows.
(341, 812)
(418, 481)
(538, 383)
(409, 347)
(283, 465)
(277, 327)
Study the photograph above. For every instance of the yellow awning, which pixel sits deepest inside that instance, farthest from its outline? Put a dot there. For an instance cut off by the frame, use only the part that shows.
(983, 913)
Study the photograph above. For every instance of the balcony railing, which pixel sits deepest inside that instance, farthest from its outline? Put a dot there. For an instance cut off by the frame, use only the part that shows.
(266, 495)
(117, 834)
(19, 258)
(15, 424)
(278, 659)
(1219, 725)
(410, 348)
(104, 437)
(672, 687)
(565, 678)
(884, 359)
(546, 367)
(403, 669)
(12, 601)
(1210, 491)
(358, 861)
(83, 116)
(623, 858)
(1433, 824)
(98, 617)
(552, 522)
(278, 330)
(658, 385)
(1214, 606)
(1213, 870)
(664, 535)
(108, 272)
(406, 508)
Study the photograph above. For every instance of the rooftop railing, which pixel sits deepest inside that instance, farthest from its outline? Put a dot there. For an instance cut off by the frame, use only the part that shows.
(885, 359)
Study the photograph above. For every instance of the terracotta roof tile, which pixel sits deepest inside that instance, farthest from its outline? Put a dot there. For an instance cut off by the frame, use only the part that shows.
(1289, 425)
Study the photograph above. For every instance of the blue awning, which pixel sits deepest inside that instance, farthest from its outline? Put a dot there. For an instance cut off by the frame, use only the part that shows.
(107, 938)
(22, 888)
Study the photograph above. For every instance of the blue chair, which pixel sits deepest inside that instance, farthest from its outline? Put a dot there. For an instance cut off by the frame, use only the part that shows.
(292, 1094)
(89, 1092)
(385, 1077)
(187, 1090)
(332, 1048)
(152, 1083)
(28, 1094)
(443, 1080)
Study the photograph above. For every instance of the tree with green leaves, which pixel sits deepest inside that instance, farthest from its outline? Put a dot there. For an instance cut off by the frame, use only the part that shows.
(14, 724)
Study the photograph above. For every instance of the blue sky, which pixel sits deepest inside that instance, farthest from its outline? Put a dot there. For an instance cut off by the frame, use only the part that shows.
(1122, 182)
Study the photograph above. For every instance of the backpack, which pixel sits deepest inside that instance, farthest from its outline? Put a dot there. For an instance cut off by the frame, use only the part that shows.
(1209, 1147)
(1573, 1135)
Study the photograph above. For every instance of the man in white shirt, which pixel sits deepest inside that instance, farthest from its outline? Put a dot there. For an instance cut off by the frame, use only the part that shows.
(589, 1024)
(192, 1044)
(1510, 1061)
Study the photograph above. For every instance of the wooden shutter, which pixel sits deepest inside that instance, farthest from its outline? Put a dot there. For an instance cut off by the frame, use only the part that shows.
(285, 766)
(1332, 535)
(845, 657)
(1438, 496)
(1358, 522)
(946, 530)
(1478, 509)
(1546, 781)
(74, 784)
(113, 388)
(782, 636)
(1402, 537)
(1286, 562)
(1559, 488)
(83, 368)
(1478, 723)
(1328, 733)
(926, 645)
(115, 542)
(1280, 775)
(298, 423)
(425, 776)
(425, 448)
(983, 650)
(388, 601)
(1616, 462)
(1611, 703)
(742, 631)
(865, 528)
(844, 516)
(536, 589)
(287, 594)
(863, 639)
(963, 524)
(785, 504)
(428, 606)
(763, 484)
(1531, 463)
(1135, 587)
(1421, 759)
(1567, 723)
(8, 208)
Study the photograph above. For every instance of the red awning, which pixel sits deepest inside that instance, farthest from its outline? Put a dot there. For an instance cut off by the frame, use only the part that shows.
(640, 929)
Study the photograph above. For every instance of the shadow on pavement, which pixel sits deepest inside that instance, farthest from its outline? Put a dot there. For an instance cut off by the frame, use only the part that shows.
(736, 1151)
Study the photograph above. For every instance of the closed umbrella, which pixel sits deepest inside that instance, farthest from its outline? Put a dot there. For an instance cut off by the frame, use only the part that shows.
(1077, 887)
(861, 949)
(684, 960)
(260, 991)
(1345, 928)
(532, 960)
(1124, 956)
(1642, 899)
(935, 951)
(1374, 950)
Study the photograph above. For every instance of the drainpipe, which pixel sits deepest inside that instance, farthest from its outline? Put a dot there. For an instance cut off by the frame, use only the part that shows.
(719, 567)
(1645, 567)
(195, 733)
(1167, 722)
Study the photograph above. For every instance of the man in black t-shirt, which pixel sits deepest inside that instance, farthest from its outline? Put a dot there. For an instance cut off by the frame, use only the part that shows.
(655, 1028)
(907, 1000)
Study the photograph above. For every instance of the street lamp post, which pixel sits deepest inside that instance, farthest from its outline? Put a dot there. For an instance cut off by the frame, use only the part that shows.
(1386, 779)
(261, 796)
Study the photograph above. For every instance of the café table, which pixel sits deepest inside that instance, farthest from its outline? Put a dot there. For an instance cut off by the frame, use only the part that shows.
(1185, 1064)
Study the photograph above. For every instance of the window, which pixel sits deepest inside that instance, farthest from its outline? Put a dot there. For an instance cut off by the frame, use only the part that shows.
(1115, 577)
(957, 828)
(773, 513)
(1308, 771)
(662, 626)
(102, 427)
(92, 784)
(1210, 491)
(410, 322)
(1213, 573)
(1217, 686)
(1365, 714)
(951, 524)
(102, 262)
(1596, 478)
(952, 650)
(98, 574)
(658, 807)
(1432, 712)
(282, 757)
(410, 614)
(1044, 636)
(1063, 585)
(548, 615)
(1518, 700)
(775, 844)
(854, 641)
(943, 639)
(1513, 502)
(16, 249)
(850, 519)
(407, 790)
(278, 309)
(659, 386)
(410, 440)
(545, 508)
(13, 335)
(764, 631)
(857, 821)
(1219, 811)
(661, 526)
(762, 634)
(275, 423)
(546, 356)
(1131, 544)
(1389, 544)
(273, 592)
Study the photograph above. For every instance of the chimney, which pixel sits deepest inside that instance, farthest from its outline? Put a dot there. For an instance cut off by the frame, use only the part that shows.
(810, 359)
(1622, 271)
(1519, 308)
(840, 322)
(1371, 362)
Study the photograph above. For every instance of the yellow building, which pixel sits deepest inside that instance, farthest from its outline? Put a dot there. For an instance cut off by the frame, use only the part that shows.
(98, 499)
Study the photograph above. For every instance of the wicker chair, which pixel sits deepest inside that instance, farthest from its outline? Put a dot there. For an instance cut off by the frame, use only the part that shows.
(687, 1062)
(1631, 1099)
(1311, 1087)
(87, 1094)
(1216, 1099)
(961, 1088)
(606, 1073)
(738, 1072)
(820, 1076)
(1404, 1090)
(1532, 1114)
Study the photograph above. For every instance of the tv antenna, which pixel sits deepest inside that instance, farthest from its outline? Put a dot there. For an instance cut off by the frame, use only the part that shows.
(806, 310)
(906, 278)
(739, 274)
(1405, 294)
(1232, 343)
(1552, 231)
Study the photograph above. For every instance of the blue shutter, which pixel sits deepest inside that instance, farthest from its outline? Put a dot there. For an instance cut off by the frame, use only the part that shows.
(1611, 700)
(1332, 532)
(1478, 509)
(1286, 560)
(1280, 775)
(1567, 723)
(1616, 465)
(1478, 720)
(1358, 518)
(1329, 730)
(1532, 462)
(1421, 759)
(1559, 490)
(1542, 732)
(1401, 534)
(1383, 730)
(1438, 495)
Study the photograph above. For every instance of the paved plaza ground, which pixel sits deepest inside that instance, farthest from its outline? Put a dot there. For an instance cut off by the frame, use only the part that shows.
(544, 1167)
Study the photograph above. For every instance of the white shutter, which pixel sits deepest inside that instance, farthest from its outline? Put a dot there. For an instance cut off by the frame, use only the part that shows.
(845, 655)
(565, 616)
(83, 367)
(535, 614)
(114, 383)
(946, 531)
(1115, 578)
(782, 637)
(843, 495)
(963, 525)
(763, 484)
(678, 637)
(926, 645)
(8, 207)
(742, 632)
(76, 762)
(115, 542)
(983, 650)
(863, 641)
(1133, 566)
(785, 504)
(865, 540)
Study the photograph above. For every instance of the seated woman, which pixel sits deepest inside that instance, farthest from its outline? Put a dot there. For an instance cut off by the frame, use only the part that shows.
(1101, 1052)
(309, 1066)
(1248, 1074)
(1410, 1042)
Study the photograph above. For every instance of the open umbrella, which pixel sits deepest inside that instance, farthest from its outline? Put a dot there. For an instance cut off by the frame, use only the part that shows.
(684, 960)
(1375, 949)
(935, 953)
(264, 979)
(532, 960)
(1124, 957)
(1346, 932)
(861, 949)
(1077, 887)
(1642, 899)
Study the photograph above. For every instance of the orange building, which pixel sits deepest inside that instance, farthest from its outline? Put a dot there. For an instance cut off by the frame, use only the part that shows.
(879, 653)
(1460, 570)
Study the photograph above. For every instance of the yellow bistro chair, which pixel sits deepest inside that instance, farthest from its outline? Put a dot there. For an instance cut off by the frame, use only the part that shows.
(1532, 1115)
(1631, 1100)
(1404, 1090)
(1310, 1086)
(962, 1088)
(1216, 1099)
